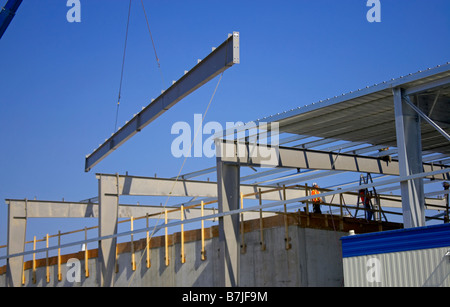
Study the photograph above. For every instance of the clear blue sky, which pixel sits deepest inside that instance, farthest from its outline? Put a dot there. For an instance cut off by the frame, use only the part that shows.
(59, 81)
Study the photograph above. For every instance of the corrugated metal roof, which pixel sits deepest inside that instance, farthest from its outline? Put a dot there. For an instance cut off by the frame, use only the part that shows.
(367, 115)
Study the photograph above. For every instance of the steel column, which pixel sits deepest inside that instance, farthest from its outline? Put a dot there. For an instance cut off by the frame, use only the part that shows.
(407, 124)
(108, 214)
(229, 236)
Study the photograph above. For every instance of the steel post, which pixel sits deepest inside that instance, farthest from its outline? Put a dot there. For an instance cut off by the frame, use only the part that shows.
(407, 124)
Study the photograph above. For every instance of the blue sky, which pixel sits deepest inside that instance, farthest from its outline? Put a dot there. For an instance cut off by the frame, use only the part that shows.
(59, 81)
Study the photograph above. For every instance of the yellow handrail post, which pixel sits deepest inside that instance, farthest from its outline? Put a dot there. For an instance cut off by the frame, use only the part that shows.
(47, 267)
(59, 256)
(34, 261)
(23, 272)
(133, 262)
(203, 252)
(86, 255)
(166, 239)
(148, 244)
(183, 256)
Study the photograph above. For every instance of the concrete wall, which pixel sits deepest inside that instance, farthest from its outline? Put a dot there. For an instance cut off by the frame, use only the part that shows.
(314, 259)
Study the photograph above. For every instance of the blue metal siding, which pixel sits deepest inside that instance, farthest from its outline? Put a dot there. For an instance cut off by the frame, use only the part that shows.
(396, 241)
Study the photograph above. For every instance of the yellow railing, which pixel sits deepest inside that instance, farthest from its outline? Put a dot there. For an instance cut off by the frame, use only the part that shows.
(165, 212)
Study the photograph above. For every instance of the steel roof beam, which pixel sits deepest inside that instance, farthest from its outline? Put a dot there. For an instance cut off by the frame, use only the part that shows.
(285, 157)
(427, 86)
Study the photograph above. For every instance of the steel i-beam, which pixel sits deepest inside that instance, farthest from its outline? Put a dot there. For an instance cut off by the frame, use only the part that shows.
(407, 124)
(220, 59)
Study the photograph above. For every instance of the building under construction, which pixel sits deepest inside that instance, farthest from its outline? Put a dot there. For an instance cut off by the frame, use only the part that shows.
(259, 227)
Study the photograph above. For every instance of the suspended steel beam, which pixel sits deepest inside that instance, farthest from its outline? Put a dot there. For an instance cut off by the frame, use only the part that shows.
(220, 59)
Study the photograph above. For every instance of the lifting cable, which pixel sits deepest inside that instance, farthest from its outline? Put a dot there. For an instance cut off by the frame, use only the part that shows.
(124, 55)
(123, 64)
(153, 43)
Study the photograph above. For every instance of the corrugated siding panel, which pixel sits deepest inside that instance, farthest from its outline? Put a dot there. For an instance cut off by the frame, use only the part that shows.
(418, 268)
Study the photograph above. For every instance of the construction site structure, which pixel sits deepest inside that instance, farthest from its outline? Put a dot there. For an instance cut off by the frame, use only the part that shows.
(262, 231)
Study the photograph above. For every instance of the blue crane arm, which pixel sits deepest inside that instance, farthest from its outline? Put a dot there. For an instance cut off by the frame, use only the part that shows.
(7, 14)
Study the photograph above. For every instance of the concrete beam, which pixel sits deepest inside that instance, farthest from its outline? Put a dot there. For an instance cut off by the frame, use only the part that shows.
(56, 209)
(17, 224)
(108, 221)
(222, 58)
(150, 186)
(229, 237)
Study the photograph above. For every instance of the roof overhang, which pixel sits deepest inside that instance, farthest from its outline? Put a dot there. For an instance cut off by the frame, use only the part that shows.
(367, 115)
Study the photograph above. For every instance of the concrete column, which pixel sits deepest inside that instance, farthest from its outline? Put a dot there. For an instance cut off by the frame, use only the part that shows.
(228, 182)
(108, 213)
(409, 144)
(17, 224)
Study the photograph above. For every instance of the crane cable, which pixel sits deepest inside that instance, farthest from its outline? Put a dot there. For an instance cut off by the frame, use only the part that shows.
(124, 55)
(153, 43)
(123, 65)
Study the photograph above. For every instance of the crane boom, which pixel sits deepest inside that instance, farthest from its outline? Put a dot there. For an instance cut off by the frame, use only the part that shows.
(7, 13)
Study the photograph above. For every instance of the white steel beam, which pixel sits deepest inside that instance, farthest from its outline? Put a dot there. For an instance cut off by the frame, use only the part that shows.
(246, 154)
(222, 58)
